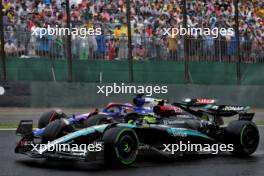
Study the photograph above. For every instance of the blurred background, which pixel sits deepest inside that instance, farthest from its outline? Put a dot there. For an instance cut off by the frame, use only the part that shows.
(132, 47)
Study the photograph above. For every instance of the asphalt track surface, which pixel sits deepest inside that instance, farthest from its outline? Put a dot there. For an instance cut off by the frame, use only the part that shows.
(12, 164)
(14, 115)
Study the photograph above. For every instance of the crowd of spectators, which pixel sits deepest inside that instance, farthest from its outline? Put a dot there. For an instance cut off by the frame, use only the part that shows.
(148, 20)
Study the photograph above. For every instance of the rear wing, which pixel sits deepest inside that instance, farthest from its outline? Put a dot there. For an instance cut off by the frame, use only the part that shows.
(25, 127)
(229, 110)
(187, 104)
(218, 110)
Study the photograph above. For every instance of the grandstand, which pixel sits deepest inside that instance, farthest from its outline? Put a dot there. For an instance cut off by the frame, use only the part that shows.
(148, 19)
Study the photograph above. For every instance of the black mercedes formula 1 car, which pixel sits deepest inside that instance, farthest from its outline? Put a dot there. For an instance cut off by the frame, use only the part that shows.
(191, 132)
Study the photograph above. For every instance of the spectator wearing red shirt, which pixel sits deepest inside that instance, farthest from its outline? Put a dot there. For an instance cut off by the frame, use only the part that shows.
(111, 49)
(149, 30)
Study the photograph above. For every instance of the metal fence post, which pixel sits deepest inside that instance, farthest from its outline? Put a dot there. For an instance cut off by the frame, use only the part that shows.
(130, 57)
(68, 43)
(2, 52)
(186, 45)
(238, 65)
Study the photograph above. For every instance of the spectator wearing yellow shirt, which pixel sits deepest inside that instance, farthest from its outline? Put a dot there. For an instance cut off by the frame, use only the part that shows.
(11, 14)
(260, 11)
(6, 5)
(124, 29)
(172, 47)
(117, 32)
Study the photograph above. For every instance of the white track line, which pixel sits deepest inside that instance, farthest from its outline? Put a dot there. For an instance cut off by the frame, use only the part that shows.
(7, 129)
(11, 129)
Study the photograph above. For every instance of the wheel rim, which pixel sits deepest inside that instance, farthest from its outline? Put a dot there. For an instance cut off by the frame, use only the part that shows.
(127, 149)
(249, 137)
(126, 146)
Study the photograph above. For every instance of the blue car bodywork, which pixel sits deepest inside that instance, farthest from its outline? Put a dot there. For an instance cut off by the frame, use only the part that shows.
(113, 110)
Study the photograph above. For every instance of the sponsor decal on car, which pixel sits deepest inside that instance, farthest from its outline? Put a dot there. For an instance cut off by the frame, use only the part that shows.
(183, 116)
(183, 132)
(233, 108)
(205, 101)
(173, 122)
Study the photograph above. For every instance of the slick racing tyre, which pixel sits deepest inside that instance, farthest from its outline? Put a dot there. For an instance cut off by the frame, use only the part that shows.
(120, 146)
(244, 136)
(50, 116)
(98, 119)
(54, 130)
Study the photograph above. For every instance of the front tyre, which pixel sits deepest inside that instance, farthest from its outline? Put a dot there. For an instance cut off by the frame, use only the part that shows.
(50, 116)
(244, 136)
(54, 130)
(120, 146)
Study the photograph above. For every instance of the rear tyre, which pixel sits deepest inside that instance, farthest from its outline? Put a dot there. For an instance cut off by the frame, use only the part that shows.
(120, 146)
(50, 116)
(54, 130)
(97, 120)
(244, 136)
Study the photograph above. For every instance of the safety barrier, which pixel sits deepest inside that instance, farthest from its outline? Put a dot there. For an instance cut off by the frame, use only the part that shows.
(50, 94)
(168, 72)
